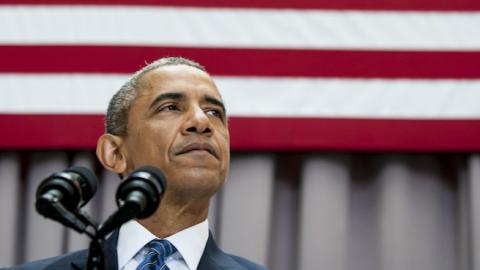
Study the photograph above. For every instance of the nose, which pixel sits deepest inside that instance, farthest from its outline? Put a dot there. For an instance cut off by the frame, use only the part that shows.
(197, 122)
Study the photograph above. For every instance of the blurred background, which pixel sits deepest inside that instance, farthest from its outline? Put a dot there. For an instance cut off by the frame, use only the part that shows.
(355, 124)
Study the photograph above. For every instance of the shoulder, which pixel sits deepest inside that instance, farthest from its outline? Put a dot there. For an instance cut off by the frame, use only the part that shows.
(214, 258)
(53, 263)
(74, 260)
(247, 264)
(40, 264)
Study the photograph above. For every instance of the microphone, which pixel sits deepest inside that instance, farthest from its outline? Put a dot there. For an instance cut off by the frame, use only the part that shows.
(138, 196)
(73, 188)
(62, 194)
(143, 188)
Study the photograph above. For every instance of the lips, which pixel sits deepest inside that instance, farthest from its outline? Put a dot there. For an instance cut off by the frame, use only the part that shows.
(198, 146)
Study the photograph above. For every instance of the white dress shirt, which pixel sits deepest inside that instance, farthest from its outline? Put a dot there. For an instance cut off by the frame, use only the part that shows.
(189, 242)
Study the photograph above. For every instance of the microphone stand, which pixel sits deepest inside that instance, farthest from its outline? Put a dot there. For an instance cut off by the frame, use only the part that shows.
(96, 256)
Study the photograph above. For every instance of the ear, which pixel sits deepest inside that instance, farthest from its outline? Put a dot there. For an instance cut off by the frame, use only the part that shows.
(111, 154)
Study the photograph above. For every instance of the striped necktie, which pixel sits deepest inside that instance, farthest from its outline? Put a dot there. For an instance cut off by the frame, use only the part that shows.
(158, 251)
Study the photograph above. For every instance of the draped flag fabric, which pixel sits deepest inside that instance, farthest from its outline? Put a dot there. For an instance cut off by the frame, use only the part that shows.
(296, 75)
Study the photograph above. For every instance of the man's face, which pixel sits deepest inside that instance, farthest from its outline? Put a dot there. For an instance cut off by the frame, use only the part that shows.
(178, 123)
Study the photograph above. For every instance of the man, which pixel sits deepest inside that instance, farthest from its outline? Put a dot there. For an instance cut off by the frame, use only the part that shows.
(169, 115)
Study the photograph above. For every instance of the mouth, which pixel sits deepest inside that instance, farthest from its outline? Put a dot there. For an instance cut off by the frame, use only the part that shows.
(198, 147)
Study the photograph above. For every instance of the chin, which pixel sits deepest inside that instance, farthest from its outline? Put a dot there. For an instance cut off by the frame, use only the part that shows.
(202, 174)
(206, 180)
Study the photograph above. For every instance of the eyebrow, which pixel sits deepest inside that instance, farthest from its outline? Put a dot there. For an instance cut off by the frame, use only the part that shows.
(166, 96)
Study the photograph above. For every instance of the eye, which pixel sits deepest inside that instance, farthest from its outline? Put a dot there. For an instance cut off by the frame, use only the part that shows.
(169, 107)
(215, 112)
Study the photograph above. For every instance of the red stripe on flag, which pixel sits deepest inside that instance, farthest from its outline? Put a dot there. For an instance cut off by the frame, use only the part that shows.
(264, 134)
(246, 62)
(50, 131)
(355, 134)
(421, 5)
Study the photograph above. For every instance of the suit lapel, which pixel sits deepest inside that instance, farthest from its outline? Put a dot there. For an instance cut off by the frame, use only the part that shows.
(214, 258)
(110, 248)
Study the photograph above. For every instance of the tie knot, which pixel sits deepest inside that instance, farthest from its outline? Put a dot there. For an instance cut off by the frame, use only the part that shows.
(163, 248)
(158, 251)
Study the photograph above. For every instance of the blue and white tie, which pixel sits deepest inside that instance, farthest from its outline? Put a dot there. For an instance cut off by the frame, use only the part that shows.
(158, 251)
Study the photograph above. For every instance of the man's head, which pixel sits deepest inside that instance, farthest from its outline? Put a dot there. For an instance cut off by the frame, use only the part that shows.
(170, 115)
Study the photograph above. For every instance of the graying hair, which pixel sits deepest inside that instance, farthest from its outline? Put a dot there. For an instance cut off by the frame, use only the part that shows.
(116, 120)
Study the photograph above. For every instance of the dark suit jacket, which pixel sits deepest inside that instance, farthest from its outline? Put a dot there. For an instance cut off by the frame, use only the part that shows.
(212, 258)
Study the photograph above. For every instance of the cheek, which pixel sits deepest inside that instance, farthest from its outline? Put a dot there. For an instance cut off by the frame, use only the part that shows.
(149, 148)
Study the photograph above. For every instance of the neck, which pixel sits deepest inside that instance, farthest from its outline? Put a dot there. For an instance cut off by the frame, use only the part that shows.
(173, 216)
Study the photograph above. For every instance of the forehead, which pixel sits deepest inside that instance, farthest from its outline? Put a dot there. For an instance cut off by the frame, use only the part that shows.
(188, 80)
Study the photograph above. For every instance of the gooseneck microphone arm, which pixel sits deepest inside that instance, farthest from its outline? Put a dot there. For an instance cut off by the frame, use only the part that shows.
(128, 210)
(73, 220)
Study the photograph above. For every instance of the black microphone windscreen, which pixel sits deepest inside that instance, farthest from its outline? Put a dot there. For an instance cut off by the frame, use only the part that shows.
(156, 173)
(73, 188)
(89, 184)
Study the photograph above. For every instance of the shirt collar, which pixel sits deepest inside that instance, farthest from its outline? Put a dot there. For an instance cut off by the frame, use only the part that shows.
(189, 242)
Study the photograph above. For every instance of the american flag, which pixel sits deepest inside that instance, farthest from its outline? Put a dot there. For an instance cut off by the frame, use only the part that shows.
(349, 75)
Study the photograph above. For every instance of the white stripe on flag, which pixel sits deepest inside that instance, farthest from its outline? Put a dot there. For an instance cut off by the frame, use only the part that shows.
(224, 27)
(289, 97)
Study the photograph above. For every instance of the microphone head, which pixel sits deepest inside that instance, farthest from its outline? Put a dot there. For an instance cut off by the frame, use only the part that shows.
(147, 180)
(88, 183)
(73, 187)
